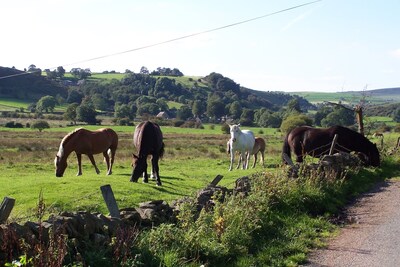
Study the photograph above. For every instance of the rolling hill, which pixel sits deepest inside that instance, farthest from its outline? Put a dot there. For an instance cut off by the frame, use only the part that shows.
(375, 97)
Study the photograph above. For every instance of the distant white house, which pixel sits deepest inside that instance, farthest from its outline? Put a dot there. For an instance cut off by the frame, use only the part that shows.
(163, 115)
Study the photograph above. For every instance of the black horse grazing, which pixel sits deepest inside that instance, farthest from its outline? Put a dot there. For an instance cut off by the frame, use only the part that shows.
(305, 140)
(148, 140)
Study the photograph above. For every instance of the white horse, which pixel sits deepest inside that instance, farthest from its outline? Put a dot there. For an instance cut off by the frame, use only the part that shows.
(243, 142)
(259, 146)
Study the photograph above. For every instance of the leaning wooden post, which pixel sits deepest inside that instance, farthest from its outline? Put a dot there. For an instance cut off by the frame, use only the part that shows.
(5, 208)
(333, 144)
(216, 180)
(359, 115)
(111, 203)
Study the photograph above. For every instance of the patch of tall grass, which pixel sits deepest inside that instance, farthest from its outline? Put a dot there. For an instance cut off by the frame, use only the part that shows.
(275, 225)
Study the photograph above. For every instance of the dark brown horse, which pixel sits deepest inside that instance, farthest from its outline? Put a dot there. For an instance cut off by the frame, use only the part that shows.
(87, 142)
(148, 140)
(316, 142)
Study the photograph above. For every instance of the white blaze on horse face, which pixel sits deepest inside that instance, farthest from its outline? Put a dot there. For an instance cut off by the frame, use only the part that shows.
(60, 152)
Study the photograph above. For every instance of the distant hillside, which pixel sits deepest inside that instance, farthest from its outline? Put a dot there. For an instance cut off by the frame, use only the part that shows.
(27, 86)
(385, 110)
(131, 89)
(387, 95)
(374, 97)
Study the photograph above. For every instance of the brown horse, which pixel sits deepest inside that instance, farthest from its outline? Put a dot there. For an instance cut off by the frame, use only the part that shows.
(316, 142)
(87, 142)
(148, 140)
(259, 146)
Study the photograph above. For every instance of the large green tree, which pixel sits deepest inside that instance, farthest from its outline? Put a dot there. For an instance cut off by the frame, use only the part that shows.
(70, 113)
(60, 72)
(321, 114)
(293, 121)
(46, 103)
(340, 116)
(75, 96)
(396, 115)
(123, 111)
(247, 117)
(235, 110)
(215, 109)
(148, 108)
(184, 112)
(80, 73)
(86, 113)
(34, 70)
(198, 108)
(40, 125)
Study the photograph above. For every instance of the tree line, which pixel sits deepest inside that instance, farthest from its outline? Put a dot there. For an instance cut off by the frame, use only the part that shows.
(213, 98)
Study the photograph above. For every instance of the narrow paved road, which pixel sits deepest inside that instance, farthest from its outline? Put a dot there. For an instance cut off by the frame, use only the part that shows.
(373, 236)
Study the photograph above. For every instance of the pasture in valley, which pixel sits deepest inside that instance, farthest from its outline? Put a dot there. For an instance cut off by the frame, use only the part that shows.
(276, 225)
(193, 157)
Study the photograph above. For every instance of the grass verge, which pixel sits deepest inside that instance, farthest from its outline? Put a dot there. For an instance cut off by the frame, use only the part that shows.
(276, 225)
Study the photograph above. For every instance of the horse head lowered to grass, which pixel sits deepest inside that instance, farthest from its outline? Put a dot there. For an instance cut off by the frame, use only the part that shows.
(305, 140)
(243, 142)
(148, 140)
(82, 141)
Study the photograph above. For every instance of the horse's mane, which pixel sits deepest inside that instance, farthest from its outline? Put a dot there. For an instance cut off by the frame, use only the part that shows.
(138, 136)
(348, 131)
(65, 140)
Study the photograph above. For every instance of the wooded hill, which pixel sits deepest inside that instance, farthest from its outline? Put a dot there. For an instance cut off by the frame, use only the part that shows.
(133, 87)
(20, 85)
(108, 91)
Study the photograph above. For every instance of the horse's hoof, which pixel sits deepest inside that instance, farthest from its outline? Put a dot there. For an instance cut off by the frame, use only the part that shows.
(145, 181)
(159, 184)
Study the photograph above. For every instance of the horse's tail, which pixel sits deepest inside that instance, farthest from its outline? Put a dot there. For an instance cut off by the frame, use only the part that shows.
(162, 150)
(286, 150)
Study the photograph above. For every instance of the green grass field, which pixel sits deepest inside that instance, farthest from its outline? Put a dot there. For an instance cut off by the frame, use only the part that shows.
(280, 227)
(11, 104)
(193, 158)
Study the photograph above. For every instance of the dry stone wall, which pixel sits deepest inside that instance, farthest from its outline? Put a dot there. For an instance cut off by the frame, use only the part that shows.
(99, 228)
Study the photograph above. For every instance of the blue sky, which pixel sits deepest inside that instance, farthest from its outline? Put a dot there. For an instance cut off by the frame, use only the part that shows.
(328, 46)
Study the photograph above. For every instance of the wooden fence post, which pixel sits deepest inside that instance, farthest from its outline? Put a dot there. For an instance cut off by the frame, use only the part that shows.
(216, 180)
(5, 208)
(333, 144)
(111, 203)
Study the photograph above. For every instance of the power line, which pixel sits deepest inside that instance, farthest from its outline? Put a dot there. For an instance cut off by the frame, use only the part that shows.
(178, 38)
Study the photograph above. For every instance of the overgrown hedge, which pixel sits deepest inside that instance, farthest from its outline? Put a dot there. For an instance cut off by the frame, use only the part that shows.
(276, 225)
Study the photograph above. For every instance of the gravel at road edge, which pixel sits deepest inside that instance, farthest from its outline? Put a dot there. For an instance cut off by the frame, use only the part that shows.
(372, 236)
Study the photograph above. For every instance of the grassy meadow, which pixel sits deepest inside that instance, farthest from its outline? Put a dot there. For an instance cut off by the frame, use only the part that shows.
(276, 225)
(193, 158)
